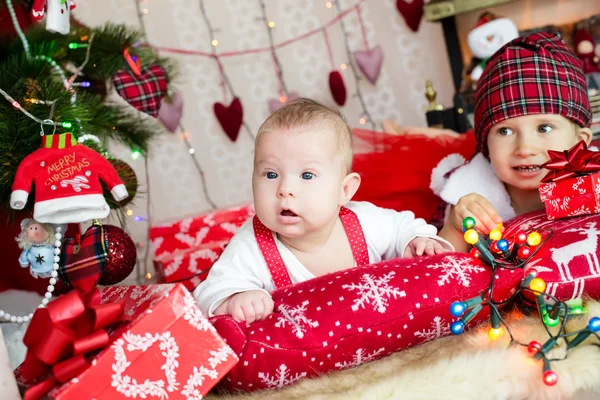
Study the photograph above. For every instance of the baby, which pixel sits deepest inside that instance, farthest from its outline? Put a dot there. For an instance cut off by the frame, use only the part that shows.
(305, 224)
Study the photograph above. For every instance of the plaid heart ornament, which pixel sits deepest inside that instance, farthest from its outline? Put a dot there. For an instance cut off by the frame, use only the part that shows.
(83, 259)
(145, 91)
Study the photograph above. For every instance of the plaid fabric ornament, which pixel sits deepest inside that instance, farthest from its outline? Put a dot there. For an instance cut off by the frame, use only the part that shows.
(145, 91)
(83, 259)
(534, 74)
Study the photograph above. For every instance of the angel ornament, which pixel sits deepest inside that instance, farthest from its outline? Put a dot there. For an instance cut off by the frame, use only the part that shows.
(37, 241)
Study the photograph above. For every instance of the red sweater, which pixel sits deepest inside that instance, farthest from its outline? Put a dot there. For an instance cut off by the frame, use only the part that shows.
(67, 182)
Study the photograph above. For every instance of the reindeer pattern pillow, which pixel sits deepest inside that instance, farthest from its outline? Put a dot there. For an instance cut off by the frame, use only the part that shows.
(568, 261)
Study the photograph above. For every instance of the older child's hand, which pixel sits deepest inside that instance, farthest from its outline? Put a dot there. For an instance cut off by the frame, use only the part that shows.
(478, 207)
(424, 245)
(249, 306)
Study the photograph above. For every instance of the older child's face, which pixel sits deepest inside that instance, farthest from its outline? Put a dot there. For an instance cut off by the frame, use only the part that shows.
(519, 146)
(297, 180)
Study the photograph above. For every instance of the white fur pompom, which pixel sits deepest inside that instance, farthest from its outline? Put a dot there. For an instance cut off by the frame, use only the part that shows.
(447, 164)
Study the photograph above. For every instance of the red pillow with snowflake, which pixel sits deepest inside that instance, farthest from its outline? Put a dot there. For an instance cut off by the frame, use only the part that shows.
(568, 261)
(344, 319)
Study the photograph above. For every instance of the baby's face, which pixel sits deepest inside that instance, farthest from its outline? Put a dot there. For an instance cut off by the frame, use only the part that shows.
(297, 180)
(519, 146)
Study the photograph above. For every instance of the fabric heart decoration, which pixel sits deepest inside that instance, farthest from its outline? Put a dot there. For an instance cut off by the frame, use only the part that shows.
(145, 91)
(171, 110)
(276, 104)
(411, 11)
(369, 62)
(337, 87)
(83, 259)
(230, 117)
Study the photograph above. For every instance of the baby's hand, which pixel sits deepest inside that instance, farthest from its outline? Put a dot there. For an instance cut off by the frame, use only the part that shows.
(249, 306)
(478, 207)
(420, 245)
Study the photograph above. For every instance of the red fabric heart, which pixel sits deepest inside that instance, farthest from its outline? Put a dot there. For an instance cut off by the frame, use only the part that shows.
(412, 12)
(337, 87)
(230, 117)
(142, 92)
(84, 259)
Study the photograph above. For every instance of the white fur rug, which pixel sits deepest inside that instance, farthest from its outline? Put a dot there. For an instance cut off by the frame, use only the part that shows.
(469, 366)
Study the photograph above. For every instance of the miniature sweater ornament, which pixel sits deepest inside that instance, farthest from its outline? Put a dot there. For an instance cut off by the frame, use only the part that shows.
(67, 181)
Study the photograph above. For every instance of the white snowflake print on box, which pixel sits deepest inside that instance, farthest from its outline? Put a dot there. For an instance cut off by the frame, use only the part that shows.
(350, 317)
(167, 351)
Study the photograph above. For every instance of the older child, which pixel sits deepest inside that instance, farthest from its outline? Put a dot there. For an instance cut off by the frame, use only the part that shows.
(531, 98)
(305, 224)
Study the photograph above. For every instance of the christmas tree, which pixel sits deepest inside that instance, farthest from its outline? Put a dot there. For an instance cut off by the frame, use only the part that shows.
(56, 83)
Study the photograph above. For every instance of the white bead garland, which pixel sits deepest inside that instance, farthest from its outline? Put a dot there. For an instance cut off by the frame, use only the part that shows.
(26, 318)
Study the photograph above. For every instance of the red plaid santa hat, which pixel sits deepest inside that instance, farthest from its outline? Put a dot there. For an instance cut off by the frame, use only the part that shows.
(534, 74)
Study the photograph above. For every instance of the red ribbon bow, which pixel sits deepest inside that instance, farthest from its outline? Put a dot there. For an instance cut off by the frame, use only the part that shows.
(576, 161)
(60, 336)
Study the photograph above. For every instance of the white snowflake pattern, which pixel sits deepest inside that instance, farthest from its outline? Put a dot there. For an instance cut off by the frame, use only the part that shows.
(576, 186)
(220, 356)
(190, 240)
(281, 378)
(375, 291)
(156, 243)
(359, 358)
(230, 227)
(294, 316)
(456, 269)
(194, 316)
(195, 380)
(204, 254)
(439, 328)
(184, 225)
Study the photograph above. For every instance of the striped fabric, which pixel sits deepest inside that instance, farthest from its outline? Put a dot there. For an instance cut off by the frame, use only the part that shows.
(534, 74)
(143, 92)
(58, 141)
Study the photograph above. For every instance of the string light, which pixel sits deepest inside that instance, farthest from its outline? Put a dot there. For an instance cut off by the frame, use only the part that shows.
(283, 91)
(214, 42)
(145, 11)
(75, 46)
(138, 218)
(282, 99)
(362, 121)
(130, 212)
(191, 151)
(135, 154)
(328, 4)
(343, 66)
(271, 24)
(148, 275)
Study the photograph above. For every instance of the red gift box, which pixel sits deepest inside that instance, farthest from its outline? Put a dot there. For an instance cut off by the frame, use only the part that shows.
(185, 250)
(216, 226)
(572, 187)
(166, 349)
(189, 266)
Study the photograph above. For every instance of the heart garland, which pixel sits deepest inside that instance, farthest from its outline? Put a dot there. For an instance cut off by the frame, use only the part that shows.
(276, 104)
(230, 117)
(411, 11)
(145, 91)
(369, 62)
(171, 110)
(337, 87)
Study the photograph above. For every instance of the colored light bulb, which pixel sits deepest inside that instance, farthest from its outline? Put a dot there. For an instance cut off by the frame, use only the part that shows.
(458, 308)
(537, 285)
(494, 247)
(550, 378)
(495, 234)
(502, 244)
(73, 46)
(548, 321)
(594, 324)
(457, 327)
(534, 238)
(520, 238)
(67, 125)
(524, 252)
(85, 84)
(576, 310)
(468, 223)
(475, 253)
(471, 236)
(534, 347)
(135, 155)
(495, 333)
